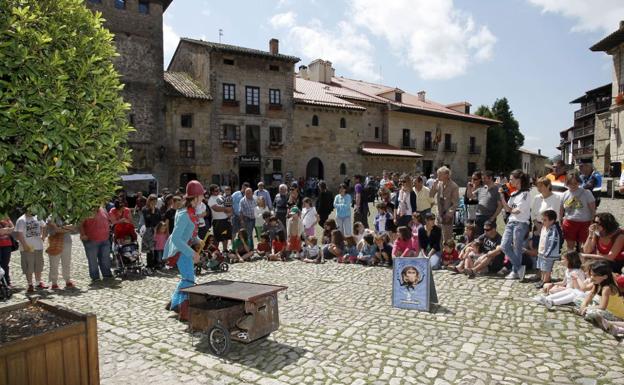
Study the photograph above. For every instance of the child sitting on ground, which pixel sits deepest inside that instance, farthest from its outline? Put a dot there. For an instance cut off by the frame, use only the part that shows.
(351, 252)
(383, 250)
(335, 249)
(240, 247)
(264, 246)
(450, 256)
(403, 246)
(278, 244)
(570, 289)
(549, 245)
(328, 228)
(366, 255)
(467, 237)
(312, 252)
(358, 231)
(611, 307)
(273, 227)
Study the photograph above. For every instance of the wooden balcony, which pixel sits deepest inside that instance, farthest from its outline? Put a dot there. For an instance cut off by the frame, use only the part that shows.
(587, 150)
(591, 109)
(584, 131)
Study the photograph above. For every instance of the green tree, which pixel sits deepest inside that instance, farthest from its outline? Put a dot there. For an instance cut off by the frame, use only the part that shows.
(63, 126)
(503, 139)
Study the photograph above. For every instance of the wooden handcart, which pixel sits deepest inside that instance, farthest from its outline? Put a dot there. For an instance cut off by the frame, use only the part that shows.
(233, 311)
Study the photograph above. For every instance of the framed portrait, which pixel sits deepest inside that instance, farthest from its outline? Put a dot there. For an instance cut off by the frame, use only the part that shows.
(412, 284)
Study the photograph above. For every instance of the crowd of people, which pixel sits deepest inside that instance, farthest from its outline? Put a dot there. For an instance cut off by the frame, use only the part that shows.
(415, 216)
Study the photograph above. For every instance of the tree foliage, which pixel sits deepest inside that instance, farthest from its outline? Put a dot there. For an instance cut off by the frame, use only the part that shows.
(504, 139)
(63, 125)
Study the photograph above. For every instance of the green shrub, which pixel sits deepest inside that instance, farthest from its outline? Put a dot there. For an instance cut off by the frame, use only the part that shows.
(63, 125)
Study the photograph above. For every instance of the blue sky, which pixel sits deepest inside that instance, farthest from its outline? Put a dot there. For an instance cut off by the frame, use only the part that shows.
(534, 52)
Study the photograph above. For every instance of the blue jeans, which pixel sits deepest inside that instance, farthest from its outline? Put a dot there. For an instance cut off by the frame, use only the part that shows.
(435, 261)
(236, 225)
(98, 257)
(249, 224)
(513, 240)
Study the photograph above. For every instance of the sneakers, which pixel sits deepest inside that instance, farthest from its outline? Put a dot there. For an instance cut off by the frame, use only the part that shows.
(539, 284)
(539, 299)
(69, 285)
(521, 272)
(55, 286)
(42, 286)
(31, 289)
(503, 271)
(615, 331)
(512, 275)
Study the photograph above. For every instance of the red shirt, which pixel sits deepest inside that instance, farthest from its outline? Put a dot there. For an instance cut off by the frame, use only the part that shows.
(453, 256)
(278, 246)
(117, 215)
(96, 228)
(5, 240)
(264, 247)
(605, 249)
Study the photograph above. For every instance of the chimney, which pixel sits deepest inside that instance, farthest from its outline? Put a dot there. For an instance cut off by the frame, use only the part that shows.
(421, 96)
(274, 46)
(303, 72)
(539, 151)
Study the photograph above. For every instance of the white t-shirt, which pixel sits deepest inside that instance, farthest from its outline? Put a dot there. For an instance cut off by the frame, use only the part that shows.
(520, 201)
(214, 201)
(31, 227)
(308, 215)
(200, 209)
(553, 202)
(258, 211)
(568, 280)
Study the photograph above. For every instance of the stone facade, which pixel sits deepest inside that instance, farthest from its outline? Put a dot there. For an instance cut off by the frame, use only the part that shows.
(239, 136)
(139, 41)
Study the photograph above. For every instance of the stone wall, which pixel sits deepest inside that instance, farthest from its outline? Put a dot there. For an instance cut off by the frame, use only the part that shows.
(138, 39)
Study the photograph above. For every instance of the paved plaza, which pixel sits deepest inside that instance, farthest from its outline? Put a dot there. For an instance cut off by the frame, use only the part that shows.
(337, 327)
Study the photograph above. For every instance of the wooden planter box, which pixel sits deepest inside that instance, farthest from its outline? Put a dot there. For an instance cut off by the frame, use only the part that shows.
(64, 356)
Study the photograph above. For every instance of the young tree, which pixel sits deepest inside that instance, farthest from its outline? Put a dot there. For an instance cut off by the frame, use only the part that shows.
(63, 125)
(504, 139)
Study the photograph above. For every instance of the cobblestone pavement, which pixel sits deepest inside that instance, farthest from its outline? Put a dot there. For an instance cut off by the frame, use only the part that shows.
(338, 327)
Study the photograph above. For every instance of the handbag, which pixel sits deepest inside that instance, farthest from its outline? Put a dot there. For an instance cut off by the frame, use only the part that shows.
(14, 243)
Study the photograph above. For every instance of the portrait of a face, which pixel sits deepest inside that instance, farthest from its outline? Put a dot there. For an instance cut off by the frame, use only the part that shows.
(412, 279)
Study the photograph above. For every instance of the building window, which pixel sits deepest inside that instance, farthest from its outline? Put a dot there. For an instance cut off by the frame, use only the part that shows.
(315, 120)
(229, 62)
(120, 4)
(277, 165)
(343, 123)
(186, 120)
(398, 97)
(229, 92)
(275, 134)
(144, 7)
(274, 68)
(187, 149)
(343, 169)
(230, 132)
(275, 97)
(252, 100)
(406, 138)
(376, 132)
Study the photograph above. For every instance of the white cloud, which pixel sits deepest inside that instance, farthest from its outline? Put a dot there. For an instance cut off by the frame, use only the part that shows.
(589, 15)
(432, 37)
(170, 41)
(345, 47)
(283, 20)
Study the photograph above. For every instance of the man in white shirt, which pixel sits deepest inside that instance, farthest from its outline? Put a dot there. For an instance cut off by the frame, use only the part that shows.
(31, 233)
(423, 200)
(221, 225)
(261, 192)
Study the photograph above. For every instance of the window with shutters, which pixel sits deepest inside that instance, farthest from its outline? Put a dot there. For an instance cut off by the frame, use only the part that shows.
(187, 149)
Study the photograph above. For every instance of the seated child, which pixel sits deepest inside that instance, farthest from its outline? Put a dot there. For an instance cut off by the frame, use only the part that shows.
(450, 256)
(273, 227)
(351, 253)
(611, 306)
(241, 251)
(366, 255)
(467, 237)
(312, 252)
(335, 249)
(572, 288)
(279, 246)
(383, 250)
(330, 225)
(403, 246)
(358, 231)
(264, 246)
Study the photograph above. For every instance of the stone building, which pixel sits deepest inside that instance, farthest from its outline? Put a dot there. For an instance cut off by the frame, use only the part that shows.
(250, 116)
(533, 163)
(610, 124)
(396, 130)
(582, 140)
(138, 37)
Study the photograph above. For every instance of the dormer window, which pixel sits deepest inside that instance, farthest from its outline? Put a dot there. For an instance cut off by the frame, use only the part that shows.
(398, 97)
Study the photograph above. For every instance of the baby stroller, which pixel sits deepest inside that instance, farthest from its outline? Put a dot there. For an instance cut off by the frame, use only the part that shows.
(126, 251)
(459, 222)
(210, 258)
(5, 292)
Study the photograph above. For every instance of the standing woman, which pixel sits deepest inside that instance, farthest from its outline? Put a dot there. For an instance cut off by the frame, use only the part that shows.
(178, 247)
(324, 203)
(6, 245)
(519, 207)
(151, 217)
(342, 203)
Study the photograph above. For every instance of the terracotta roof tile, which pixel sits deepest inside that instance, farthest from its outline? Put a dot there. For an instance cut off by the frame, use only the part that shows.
(309, 92)
(181, 84)
(375, 148)
(242, 50)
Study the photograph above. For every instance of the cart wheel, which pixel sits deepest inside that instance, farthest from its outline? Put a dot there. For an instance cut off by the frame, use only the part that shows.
(198, 269)
(224, 267)
(219, 340)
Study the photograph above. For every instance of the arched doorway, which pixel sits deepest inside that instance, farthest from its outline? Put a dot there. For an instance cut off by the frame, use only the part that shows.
(315, 169)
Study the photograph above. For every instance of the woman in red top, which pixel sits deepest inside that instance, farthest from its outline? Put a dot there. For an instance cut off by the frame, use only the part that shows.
(6, 229)
(605, 241)
(120, 213)
(94, 233)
